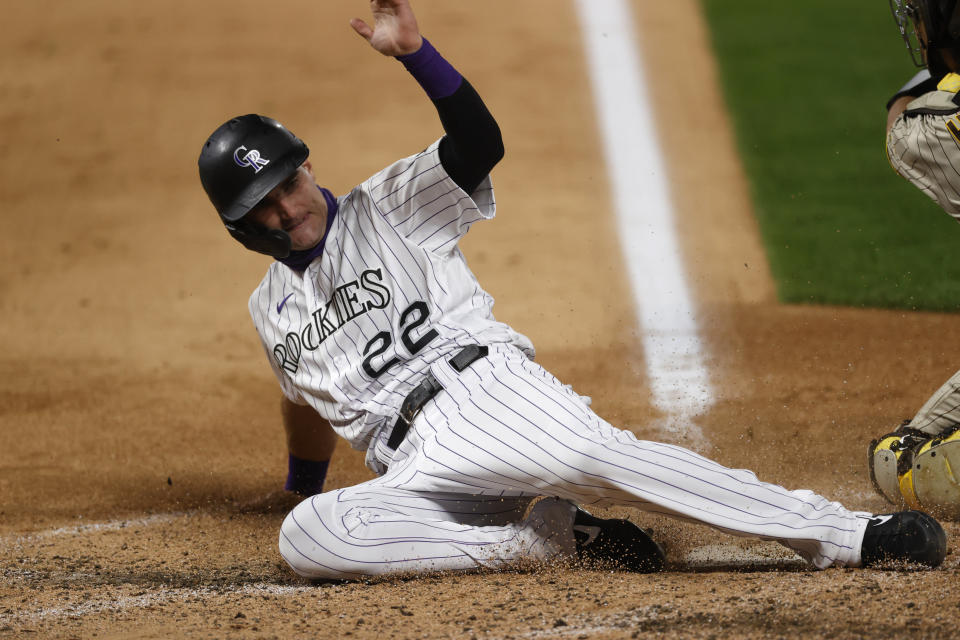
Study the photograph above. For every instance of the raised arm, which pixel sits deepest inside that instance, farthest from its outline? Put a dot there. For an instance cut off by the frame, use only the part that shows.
(473, 144)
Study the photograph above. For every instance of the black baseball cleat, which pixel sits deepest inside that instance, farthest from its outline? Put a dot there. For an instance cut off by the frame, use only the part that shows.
(616, 544)
(910, 536)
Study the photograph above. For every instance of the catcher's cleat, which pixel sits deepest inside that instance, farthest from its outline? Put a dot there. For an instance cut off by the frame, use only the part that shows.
(616, 544)
(911, 536)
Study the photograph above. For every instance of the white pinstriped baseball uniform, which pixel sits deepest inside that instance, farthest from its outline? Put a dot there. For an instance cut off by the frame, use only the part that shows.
(391, 298)
(923, 146)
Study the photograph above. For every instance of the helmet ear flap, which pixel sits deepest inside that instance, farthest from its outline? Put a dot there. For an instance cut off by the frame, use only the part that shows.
(272, 242)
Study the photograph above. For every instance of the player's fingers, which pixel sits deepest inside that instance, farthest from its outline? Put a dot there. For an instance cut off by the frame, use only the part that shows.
(362, 28)
(387, 4)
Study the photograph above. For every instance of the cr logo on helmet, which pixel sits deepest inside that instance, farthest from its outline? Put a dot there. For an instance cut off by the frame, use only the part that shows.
(250, 159)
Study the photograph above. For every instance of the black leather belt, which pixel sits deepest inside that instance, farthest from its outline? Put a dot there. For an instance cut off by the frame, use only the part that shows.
(428, 388)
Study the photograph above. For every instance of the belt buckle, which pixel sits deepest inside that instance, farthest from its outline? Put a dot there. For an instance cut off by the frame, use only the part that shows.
(406, 414)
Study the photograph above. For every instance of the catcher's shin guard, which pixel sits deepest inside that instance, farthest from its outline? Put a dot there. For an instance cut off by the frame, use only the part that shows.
(917, 470)
(934, 479)
(890, 457)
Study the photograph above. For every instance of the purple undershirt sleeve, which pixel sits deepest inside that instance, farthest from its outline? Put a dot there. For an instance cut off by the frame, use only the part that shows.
(437, 76)
(305, 476)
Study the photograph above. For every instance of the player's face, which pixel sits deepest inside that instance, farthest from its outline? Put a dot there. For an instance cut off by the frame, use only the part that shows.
(296, 206)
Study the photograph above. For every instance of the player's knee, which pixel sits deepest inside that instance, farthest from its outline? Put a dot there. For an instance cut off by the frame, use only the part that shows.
(311, 543)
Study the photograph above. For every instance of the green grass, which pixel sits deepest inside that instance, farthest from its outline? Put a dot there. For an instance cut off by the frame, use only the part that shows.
(806, 84)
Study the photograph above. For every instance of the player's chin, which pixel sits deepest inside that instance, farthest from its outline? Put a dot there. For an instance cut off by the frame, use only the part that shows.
(304, 237)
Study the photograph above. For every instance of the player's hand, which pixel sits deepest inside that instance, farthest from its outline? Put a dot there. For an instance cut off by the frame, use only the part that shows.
(394, 32)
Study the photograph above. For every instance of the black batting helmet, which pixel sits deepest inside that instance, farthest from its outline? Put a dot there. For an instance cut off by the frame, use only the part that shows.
(240, 163)
(931, 29)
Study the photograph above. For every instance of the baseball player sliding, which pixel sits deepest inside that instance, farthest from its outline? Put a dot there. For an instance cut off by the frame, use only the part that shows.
(914, 464)
(379, 333)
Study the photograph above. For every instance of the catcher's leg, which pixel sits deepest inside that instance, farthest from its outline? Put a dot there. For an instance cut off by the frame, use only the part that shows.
(370, 529)
(921, 471)
(941, 413)
(890, 457)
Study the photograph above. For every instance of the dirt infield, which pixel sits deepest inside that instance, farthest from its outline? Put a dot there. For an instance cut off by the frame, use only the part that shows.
(142, 448)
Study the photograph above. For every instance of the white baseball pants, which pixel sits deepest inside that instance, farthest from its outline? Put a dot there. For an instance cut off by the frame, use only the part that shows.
(505, 430)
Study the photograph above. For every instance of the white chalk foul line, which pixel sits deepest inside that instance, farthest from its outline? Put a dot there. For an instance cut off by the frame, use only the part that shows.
(97, 527)
(678, 376)
(161, 595)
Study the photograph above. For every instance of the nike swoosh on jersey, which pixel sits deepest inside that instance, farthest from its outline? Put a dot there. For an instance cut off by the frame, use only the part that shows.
(283, 302)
